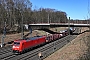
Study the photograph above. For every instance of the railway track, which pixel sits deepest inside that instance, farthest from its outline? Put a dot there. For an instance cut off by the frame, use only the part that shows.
(5, 50)
(36, 54)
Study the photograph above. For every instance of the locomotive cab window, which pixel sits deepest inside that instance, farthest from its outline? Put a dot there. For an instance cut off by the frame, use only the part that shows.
(16, 43)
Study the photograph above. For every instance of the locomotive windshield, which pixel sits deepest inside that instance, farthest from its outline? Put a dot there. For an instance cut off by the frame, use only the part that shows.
(16, 43)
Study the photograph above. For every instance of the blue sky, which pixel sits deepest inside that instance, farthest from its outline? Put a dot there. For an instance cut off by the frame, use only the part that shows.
(76, 9)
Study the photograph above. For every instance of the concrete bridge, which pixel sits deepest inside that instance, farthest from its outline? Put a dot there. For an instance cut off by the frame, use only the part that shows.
(52, 25)
(61, 24)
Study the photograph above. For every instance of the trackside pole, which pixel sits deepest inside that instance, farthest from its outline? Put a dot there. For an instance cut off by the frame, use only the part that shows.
(4, 35)
(2, 41)
(69, 26)
(22, 27)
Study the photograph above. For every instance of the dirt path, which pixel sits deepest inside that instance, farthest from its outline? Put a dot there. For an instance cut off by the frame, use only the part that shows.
(73, 50)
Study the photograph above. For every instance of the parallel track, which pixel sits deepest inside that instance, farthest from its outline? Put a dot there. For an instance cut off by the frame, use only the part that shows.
(6, 52)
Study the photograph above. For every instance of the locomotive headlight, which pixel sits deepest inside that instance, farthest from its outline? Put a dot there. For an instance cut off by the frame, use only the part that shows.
(13, 46)
(17, 47)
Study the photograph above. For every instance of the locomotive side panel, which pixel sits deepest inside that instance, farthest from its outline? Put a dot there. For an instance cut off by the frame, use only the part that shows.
(42, 40)
(33, 43)
(27, 44)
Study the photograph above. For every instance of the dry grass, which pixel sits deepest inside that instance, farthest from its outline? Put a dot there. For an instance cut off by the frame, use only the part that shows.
(13, 37)
(73, 50)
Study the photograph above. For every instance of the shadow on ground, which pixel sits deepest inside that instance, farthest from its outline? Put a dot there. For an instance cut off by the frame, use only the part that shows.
(80, 33)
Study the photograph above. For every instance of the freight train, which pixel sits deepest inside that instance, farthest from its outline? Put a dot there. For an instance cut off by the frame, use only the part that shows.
(22, 45)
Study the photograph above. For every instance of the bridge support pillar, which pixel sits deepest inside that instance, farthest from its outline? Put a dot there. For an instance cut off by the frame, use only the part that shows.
(89, 28)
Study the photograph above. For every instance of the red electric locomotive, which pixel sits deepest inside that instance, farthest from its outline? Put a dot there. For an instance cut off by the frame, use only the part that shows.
(23, 44)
